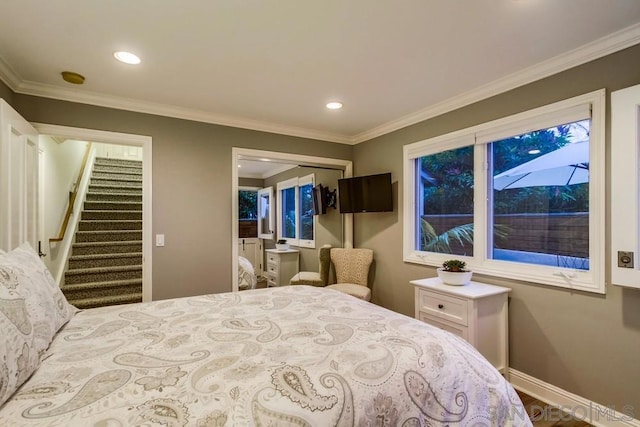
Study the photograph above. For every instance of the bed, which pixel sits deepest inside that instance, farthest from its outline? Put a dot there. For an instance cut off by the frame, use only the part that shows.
(289, 356)
(246, 274)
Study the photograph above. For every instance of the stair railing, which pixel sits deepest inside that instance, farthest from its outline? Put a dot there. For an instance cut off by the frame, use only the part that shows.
(72, 198)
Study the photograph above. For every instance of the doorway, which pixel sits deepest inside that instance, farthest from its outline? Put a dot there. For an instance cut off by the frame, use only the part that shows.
(119, 139)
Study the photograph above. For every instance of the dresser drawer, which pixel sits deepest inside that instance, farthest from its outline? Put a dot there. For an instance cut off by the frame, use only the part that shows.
(272, 269)
(272, 258)
(455, 329)
(444, 307)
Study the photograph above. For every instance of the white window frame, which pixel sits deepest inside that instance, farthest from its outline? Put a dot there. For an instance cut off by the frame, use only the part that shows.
(592, 280)
(268, 194)
(294, 183)
(625, 184)
(304, 243)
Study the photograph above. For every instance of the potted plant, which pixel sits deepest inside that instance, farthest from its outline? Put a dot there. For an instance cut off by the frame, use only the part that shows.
(454, 272)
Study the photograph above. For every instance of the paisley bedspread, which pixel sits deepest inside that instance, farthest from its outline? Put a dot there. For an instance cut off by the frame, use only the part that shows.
(289, 356)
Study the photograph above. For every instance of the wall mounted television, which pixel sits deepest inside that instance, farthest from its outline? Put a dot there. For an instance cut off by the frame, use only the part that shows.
(371, 193)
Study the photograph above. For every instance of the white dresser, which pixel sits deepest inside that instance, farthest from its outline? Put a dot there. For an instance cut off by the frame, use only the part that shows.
(477, 312)
(281, 266)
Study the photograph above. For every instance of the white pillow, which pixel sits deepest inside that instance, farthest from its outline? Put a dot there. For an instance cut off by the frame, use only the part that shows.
(32, 310)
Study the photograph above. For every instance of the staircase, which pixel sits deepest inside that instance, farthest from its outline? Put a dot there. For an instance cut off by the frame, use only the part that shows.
(105, 267)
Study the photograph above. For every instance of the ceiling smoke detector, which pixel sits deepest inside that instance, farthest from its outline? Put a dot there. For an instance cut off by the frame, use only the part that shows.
(71, 77)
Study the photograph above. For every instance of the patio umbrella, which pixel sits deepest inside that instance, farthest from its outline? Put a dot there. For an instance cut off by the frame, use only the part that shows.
(567, 165)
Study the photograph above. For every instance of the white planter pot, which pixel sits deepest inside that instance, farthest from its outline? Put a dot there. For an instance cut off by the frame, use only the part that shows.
(455, 279)
(282, 246)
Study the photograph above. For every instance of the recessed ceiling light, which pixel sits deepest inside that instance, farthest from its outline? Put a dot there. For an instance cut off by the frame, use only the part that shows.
(335, 105)
(127, 57)
(239, 166)
(536, 151)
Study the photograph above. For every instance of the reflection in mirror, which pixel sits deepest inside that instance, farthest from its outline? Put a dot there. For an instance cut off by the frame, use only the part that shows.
(265, 213)
(254, 268)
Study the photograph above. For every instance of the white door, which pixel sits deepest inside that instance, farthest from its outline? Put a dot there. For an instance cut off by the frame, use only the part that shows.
(251, 249)
(18, 180)
(266, 214)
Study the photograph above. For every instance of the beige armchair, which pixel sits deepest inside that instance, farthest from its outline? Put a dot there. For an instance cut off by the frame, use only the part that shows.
(315, 278)
(352, 271)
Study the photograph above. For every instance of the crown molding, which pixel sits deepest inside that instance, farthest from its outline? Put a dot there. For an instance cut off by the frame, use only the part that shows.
(122, 103)
(609, 44)
(8, 75)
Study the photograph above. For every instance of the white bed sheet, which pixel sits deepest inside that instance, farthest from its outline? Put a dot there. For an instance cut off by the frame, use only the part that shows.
(293, 356)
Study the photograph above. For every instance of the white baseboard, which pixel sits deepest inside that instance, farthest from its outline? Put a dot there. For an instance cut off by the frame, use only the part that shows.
(578, 407)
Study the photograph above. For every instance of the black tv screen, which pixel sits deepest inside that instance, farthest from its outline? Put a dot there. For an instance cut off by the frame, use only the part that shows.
(371, 193)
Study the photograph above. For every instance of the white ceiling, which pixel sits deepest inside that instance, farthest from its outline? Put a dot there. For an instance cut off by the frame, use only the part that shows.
(273, 64)
(261, 169)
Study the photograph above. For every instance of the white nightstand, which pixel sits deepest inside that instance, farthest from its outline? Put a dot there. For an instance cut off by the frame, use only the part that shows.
(476, 312)
(281, 266)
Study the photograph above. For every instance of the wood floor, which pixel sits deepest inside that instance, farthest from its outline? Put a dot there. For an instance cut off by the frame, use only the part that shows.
(543, 415)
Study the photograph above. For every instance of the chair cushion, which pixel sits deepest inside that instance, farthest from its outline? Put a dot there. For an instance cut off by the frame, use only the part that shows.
(307, 278)
(354, 290)
(352, 265)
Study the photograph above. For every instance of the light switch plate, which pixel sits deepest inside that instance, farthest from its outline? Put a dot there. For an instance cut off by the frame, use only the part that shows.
(159, 239)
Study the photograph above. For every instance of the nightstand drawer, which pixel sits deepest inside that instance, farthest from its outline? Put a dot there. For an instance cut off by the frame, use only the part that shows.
(442, 306)
(272, 258)
(271, 281)
(272, 269)
(460, 331)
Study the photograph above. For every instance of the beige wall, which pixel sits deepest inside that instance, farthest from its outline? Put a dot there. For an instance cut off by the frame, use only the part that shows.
(585, 343)
(251, 182)
(191, 185)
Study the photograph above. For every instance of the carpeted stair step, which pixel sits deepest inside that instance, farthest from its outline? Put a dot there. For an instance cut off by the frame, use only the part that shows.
(114, 197)
(105, 260)
(121, 162)
(102, 289)
(106, 301)
(117, 176)
(108, 236)
(102, 274)
(116, 182)
(98, 225)
(133, 170)
(114, 189)
(95, 248)
(103, 167)
(114, 215)
(110, 205)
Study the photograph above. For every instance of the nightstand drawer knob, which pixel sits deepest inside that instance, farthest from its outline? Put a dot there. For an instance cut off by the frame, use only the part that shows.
(440, 306)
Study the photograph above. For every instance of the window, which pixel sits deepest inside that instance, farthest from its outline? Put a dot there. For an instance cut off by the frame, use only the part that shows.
(247, 212)
(265, 213)
(520, 197)
(295, 211)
